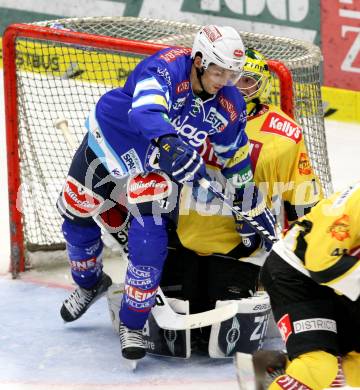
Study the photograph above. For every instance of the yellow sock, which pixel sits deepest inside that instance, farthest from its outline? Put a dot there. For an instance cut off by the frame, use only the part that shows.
(351, 367)
(316, 370)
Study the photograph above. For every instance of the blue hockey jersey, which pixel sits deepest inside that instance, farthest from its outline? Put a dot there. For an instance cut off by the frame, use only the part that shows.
(157, 99)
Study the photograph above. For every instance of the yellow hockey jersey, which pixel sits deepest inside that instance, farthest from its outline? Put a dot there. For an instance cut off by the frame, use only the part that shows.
(282, 171)
(325, 244)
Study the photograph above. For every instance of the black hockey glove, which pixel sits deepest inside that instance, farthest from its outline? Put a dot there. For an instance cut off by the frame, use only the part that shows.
(180, 160)
(251, 203)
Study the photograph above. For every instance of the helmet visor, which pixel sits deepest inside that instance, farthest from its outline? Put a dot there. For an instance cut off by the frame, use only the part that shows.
(223, 76)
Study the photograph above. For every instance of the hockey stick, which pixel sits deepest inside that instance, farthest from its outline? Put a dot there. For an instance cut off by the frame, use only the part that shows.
(62, 124)
(237, 211)
(166, 318)
(163, 314)
(245, 371)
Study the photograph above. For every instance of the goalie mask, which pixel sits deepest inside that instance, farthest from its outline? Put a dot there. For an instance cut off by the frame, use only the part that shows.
(255, 80)
(221, 46)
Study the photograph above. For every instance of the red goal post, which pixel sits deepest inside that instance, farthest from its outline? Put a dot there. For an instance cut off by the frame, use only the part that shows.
(42, 83)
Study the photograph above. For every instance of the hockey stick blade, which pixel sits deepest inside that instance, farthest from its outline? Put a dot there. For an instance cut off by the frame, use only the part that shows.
(245, 371)
(166, 318)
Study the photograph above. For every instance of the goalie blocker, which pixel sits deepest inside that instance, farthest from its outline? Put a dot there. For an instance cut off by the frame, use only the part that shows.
(245, 332)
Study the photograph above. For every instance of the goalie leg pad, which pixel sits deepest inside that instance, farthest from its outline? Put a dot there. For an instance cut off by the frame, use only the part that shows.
(158, 341)
(243, 333)
(84, 248)
(147, 254)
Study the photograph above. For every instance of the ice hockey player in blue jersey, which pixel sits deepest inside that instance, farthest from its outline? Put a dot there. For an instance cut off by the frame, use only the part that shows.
(141, 146)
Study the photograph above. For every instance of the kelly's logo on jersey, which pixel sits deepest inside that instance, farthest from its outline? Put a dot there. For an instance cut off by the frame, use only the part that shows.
(277, 124)
(304, 165)
(340, 229)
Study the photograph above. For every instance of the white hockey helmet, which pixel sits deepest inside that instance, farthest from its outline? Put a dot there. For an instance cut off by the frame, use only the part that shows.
(222, 46)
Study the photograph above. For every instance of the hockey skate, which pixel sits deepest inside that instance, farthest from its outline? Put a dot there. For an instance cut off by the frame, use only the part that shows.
(81, 299)
(132, 344)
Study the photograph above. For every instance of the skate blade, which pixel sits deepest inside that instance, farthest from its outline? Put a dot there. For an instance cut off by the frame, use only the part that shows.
(131, 364)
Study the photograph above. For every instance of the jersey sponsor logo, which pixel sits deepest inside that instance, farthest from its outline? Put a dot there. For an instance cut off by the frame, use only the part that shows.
(212, 33)
(208, 154)
(180, 102)
(138, 294)
(116, 172)
(183, 86)
(79, 200)
(277, 124)
(289, 383)
(148, 187)
(240, 156)
(163, 72)
(341, 200)
(242, 177)
(173, 54)
(141, 271)
(304, 164)
(138, 306)
(340, 229)
(238, 53)
(144, 283)
(132, 161)
(218, 122)
(254, 152)
(194, 136)
(196, 106)
(285, 328)
(310, 324)
(83, 265)
(229, 107)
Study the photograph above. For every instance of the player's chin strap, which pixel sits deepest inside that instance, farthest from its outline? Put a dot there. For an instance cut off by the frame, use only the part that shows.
(237, 211)
(164, 315)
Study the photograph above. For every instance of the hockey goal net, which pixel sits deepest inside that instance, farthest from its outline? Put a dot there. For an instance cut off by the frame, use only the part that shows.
(58, 69)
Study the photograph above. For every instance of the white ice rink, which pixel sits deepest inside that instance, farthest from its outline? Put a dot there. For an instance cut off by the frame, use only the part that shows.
(37, 351)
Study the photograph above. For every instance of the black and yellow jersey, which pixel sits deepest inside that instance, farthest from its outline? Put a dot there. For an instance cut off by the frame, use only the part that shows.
(282, 171)
(325, 244)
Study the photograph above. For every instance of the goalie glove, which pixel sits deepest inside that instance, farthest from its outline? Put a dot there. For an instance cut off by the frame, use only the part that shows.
(251, 202)
(180, 160)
